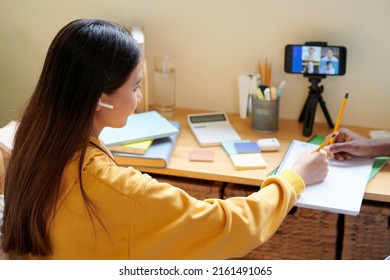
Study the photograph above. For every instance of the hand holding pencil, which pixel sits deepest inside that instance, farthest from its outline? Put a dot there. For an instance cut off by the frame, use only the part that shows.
(312, 167)
(326, 142)
(350, 143)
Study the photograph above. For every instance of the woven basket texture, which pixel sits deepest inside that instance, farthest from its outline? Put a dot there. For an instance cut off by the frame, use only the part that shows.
(305, 234)
(367, 235)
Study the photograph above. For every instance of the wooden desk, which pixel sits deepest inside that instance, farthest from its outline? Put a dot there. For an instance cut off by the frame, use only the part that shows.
(311, 234)
(378, 189)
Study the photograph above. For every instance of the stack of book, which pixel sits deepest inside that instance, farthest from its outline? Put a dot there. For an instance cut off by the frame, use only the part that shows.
(147, 140)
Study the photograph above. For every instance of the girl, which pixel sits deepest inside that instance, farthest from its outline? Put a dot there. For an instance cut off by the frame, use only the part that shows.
(65, 197)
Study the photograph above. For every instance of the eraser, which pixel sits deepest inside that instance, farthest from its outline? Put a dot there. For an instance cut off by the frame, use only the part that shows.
(201, 155)
(380, 134)
(268, 144)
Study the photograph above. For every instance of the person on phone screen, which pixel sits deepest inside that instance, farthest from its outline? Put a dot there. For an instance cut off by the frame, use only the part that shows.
(311, 68)
(310, 56)
(329, 56)
(328, 68)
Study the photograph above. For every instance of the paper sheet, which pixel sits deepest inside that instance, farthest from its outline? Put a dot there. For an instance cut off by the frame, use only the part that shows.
(342, 190)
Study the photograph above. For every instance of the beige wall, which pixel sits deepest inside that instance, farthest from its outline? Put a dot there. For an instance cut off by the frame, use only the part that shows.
(214, 41)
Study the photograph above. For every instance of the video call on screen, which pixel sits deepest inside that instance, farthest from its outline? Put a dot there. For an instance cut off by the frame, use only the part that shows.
(315, 60)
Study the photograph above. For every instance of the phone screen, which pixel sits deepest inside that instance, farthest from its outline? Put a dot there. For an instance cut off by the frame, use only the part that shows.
(315, 60)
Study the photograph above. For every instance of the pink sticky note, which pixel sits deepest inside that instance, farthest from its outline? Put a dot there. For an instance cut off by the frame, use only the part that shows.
(201, 155)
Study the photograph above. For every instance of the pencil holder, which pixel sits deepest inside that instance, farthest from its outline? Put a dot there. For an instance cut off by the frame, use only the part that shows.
(265, 115)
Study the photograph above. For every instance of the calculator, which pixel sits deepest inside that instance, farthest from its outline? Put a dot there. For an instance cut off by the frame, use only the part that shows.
(210, 129)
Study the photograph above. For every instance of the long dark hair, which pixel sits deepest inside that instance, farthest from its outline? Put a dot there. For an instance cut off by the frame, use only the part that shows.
(86, 58)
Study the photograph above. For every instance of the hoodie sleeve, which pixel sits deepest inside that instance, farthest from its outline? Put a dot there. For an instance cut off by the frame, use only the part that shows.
(170, 224)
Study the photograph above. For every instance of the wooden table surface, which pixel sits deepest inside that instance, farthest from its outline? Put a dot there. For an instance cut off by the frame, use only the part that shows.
(378, 189)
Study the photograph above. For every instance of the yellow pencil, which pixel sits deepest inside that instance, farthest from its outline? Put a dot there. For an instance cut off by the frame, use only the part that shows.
(269, 75)
(337, 125)
(266, 72)
(260, 72)
(327, 141)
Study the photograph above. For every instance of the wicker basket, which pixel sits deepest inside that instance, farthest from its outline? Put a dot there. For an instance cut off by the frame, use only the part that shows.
(200, 189)
(367, 236)
(304, 234)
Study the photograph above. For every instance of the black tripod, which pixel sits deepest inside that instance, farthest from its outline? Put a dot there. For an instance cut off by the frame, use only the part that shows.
(309, 109)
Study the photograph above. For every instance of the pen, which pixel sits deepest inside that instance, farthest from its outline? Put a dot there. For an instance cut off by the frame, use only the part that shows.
(327, 141)
(337, 125)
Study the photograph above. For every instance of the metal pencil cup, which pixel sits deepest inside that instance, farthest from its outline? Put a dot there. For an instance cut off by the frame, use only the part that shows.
(265, 115)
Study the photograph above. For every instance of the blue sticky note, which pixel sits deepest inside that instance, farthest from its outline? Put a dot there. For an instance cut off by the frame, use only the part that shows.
(228, 146)
(246, 147)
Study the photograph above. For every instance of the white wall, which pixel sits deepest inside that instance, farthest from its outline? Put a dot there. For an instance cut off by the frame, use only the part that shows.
(214, 41)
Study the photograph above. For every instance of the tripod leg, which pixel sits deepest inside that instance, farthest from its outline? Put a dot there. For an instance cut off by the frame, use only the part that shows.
(325, 110)
(310, 114)
(302, 115)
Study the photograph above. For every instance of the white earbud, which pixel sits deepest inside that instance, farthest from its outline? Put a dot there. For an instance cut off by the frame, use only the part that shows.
(105, 105)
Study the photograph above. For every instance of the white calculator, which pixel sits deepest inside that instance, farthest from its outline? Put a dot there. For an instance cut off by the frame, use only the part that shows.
(210, 129)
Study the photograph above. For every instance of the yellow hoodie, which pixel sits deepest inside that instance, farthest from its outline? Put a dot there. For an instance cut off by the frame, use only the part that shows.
(141, 218)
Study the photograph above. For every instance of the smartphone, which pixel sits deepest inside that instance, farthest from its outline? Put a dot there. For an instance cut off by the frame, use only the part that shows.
(315, 60)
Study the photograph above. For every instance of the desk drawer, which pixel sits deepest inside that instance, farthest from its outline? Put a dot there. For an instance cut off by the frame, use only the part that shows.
(200, 189)
(367, 235)
(304, 234)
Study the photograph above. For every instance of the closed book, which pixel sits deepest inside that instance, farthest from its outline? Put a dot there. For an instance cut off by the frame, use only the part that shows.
(7, 135)
(243, 161)
(158, 154)
(138, 148)
(139, 127)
